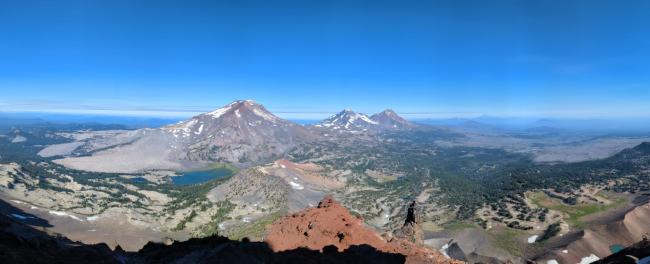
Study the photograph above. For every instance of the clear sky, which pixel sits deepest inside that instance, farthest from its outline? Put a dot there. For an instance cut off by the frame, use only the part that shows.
(312, 58)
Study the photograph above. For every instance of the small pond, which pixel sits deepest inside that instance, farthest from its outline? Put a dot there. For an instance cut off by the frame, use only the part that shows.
(139, 180)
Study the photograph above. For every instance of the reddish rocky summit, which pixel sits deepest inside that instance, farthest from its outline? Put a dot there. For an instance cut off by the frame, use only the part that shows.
(332, 224)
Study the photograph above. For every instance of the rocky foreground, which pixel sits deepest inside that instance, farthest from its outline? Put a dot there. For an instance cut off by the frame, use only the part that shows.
(327, 233)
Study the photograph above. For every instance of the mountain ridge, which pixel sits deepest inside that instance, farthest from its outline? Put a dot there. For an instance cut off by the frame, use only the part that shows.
(243, 133)
(350, 121)
(391, 120)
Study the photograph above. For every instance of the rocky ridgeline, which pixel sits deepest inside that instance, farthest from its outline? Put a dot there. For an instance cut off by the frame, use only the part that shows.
(330, 226)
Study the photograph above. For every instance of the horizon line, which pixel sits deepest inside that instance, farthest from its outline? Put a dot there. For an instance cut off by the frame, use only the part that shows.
(186, 113)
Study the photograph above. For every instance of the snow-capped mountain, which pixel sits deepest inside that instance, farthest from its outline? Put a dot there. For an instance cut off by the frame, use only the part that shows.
(239, 132)
(348, 120)
(242, 133)
(390, 120)
(240, 114)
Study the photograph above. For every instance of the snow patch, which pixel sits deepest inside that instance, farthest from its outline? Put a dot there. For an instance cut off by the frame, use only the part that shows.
(589, 259)
(184, 128)
(92, 218)
(264, 115)
(219, 112)
(19, 139)
(368, 120)
(59, 213)
(552, 261)
(21, 217)
(296, 186)
(443, 250)
(200, 130)
(532, 239)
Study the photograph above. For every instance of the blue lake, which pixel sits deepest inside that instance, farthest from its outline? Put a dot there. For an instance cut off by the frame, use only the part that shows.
(200, 176)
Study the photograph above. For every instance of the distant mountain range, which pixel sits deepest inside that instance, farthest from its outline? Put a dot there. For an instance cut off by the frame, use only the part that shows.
(242, 132)
(350, 121)
(589, 125)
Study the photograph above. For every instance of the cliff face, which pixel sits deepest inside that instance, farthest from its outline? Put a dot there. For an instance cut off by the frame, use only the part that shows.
(330, 224)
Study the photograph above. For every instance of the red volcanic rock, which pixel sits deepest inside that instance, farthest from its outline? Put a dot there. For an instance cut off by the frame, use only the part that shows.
(332, 224)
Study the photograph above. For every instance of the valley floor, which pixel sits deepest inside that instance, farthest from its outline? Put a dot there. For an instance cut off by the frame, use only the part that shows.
(477, 202)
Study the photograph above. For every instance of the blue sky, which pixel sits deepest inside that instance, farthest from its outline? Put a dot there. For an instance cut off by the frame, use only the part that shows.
(312, 58)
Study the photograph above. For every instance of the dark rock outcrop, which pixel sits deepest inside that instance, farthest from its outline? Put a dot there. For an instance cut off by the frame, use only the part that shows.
(411, 230)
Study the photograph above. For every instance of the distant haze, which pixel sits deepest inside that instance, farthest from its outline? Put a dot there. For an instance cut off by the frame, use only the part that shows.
(601, 125)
